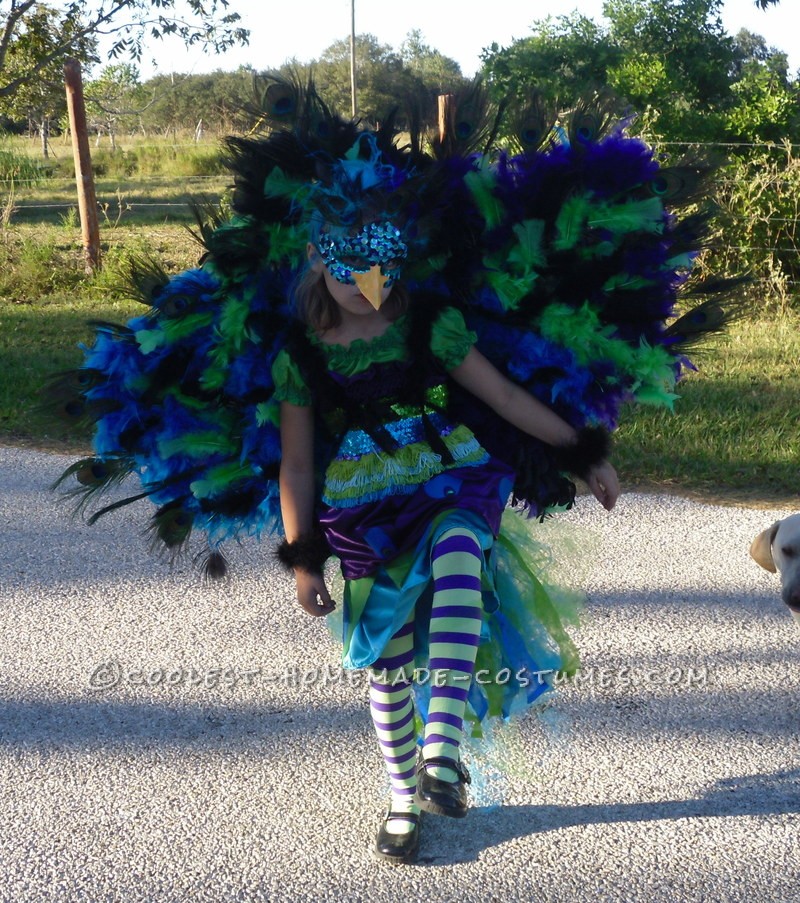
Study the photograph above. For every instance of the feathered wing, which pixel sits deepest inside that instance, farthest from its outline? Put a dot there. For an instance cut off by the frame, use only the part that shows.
(565, 254)
(572, 259)
(182, 397)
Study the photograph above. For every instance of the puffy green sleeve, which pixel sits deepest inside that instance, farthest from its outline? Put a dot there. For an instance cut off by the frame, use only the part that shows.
(450, 338)
(289, 383)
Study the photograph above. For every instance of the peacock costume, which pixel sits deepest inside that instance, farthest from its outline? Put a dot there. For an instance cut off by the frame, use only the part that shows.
(555, 248)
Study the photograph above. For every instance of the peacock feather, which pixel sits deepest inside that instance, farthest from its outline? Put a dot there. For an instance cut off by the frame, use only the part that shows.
(567, 244)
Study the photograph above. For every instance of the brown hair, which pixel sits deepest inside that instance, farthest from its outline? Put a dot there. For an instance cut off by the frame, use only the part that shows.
(316, 306)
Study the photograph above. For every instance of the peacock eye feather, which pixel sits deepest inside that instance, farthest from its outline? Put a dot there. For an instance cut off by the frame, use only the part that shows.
(280, 101)
(173, 524)
(94, 473)
(175, 305)
(75, 409)
(659, 186)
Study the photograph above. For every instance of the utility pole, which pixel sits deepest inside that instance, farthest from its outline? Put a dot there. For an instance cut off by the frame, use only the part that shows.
(87, 199)
(353, 102)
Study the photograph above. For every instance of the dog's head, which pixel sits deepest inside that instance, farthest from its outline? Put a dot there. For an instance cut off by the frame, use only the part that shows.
(761, 548)
(777, 549)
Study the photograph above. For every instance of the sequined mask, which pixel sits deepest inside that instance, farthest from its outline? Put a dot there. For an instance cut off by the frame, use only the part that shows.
(376, 244)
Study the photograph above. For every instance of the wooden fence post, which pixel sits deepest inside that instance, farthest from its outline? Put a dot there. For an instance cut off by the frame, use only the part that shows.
(446, 113)
(87, 200)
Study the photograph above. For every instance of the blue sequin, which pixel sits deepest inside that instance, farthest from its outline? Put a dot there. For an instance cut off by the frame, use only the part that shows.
(405, 432)
(375, 243)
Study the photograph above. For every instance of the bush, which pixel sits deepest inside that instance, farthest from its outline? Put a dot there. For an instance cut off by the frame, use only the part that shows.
(16, 168)
(759, 200)
(35, 267)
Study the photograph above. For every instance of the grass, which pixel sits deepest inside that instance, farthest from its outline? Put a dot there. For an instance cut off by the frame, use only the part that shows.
(46, 302)
(734, 436)
(735, 433)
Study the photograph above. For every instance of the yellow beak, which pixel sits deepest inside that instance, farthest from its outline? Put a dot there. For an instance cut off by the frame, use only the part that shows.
(371, 285)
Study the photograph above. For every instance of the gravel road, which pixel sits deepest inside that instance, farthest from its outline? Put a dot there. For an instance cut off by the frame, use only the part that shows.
(162, 739)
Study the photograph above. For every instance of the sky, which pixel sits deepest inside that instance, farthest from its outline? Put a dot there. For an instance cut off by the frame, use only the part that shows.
(460, 29)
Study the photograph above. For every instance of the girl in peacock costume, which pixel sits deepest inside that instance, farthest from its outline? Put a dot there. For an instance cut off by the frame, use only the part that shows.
(382, 346)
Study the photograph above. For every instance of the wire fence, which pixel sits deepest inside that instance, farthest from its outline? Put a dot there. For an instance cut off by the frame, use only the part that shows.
(121, 195)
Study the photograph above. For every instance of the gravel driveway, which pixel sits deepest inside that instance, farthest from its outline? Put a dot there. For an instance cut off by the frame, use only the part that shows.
(166, 740)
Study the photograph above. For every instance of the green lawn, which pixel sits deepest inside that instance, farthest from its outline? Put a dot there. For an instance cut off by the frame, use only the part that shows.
(734, 434)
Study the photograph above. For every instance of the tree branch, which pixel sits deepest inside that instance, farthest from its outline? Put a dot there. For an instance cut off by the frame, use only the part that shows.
(15, 14)
(104, 17)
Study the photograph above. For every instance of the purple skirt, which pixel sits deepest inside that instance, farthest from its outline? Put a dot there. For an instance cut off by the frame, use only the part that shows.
(366, 537)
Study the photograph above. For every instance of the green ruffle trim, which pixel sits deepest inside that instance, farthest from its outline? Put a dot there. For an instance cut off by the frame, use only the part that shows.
(376, 475)
(450, 344)
(450, 338)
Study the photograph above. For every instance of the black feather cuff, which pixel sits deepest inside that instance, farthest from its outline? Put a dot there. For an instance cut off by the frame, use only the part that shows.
(592, 446)
(307, 553)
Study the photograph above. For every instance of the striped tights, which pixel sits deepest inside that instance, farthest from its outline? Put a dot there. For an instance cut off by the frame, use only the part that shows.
(454, 636)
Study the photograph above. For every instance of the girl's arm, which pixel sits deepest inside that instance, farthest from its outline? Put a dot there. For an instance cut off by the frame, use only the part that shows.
(511, 402)
(297, 499)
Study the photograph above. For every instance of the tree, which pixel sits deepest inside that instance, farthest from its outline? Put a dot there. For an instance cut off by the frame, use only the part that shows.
(688, 37)
(765, 99)
(671, 61)
(438, 73)
(41, 100)
(562, 58)
(116, 94)
(381, 76)
(71, 24)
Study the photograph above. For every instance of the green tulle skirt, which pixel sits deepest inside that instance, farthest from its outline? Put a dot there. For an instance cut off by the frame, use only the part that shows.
(525, 647)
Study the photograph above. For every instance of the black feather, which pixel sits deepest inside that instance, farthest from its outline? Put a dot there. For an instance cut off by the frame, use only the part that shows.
(530, 126)
(726, 303)
(208, 216)
(213, 564)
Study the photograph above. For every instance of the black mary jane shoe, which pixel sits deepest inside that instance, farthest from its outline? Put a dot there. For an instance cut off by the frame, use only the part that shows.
(398, 847)
(442, 797)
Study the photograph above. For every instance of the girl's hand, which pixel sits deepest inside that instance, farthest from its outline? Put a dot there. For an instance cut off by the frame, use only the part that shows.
(603, 482)
(313, 595)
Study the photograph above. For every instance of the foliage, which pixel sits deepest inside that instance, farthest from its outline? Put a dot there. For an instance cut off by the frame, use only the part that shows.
(61, 31)
(438, 73)
(760, 218)
(116, 93)
(380, 76)
(39, 99)
(672, 62)
(562, 58)
(220, 99)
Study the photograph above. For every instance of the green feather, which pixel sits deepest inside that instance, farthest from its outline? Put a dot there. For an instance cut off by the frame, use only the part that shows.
(528, 252)
(570, 222)
(171, 330)
(482, 183)
(197, 445)
(268, 412)
(632, 216)
(285, 243)
(509, 289)
(277, 184)
(219, 479)
(625, 281)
